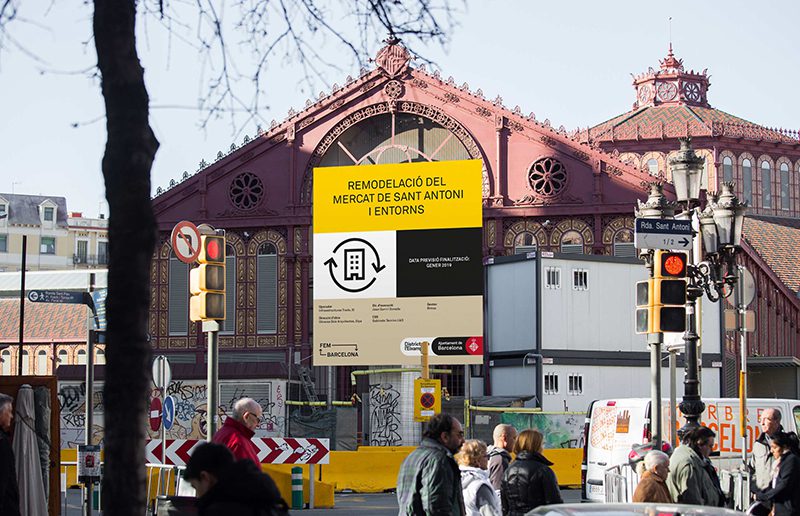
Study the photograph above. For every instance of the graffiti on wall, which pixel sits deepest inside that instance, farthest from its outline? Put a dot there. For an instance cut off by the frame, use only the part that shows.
(559, 430)
(190, 409)
(384, 417)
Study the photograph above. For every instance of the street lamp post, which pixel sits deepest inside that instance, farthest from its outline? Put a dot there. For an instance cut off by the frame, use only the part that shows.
(720, 228)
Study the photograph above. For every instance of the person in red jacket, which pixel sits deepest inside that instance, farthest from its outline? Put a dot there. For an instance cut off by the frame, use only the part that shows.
(237, 431)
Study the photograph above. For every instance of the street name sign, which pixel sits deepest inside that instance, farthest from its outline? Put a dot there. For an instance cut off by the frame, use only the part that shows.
(669, 234)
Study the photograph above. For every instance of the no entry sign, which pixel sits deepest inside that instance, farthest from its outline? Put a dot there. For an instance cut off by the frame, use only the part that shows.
(155, 414)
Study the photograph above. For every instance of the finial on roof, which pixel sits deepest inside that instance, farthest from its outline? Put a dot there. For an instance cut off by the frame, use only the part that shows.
(393, 58)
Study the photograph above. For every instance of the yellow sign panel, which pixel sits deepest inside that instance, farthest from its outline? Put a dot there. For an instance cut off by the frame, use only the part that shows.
(445, 194)
(427, 399)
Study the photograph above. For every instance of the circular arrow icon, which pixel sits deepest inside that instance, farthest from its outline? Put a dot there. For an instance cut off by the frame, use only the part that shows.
(361, 265)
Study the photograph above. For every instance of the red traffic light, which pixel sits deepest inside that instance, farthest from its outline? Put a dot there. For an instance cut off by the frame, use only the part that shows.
(671, 264)
(212, 249)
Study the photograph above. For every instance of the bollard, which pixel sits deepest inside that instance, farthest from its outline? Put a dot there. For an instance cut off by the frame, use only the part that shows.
(297, 487)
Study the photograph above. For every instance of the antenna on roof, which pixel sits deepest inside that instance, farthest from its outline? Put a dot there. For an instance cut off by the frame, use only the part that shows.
(670, 34)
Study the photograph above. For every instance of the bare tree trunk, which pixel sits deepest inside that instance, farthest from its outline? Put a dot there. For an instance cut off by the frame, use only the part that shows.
(128, 158)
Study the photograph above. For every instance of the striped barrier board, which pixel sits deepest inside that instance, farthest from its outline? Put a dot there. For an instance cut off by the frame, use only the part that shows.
(271, 450)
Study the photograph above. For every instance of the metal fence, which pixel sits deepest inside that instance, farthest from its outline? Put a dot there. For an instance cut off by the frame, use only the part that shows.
(620, 482)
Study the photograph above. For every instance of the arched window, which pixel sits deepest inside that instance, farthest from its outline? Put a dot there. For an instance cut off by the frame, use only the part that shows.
(784, 186)
(229, 324)
(766, 184)
(747, 181)
(572, 243)
(652, 166)
(41, 362)
(524, 243)
(100, 357)
(6, 359)
(62, 357)
(178, 297)
(81, 357)
(267, 289)
(25, 363)
(727, 169)
(623, 243)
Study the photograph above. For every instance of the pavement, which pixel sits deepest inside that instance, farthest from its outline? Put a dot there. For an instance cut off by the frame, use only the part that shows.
(385, 504)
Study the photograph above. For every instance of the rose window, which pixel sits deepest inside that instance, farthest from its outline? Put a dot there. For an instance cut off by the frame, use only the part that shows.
(246, 191)
(691, 91)
(667, 91)
(547, 177)
(644, 93)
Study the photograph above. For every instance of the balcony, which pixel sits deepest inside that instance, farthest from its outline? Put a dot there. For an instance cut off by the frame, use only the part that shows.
(90, 260)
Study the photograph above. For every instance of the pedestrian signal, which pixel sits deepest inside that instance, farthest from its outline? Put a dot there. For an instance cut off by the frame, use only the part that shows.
(207, 281)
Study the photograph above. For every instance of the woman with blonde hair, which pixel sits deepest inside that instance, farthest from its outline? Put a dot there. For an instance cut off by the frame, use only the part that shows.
(480, 498)
(528, 482)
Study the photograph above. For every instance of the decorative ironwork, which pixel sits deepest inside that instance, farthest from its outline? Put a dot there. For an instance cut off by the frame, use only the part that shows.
(667, 91)
(246, 191)
(547, 177)
(393, 89)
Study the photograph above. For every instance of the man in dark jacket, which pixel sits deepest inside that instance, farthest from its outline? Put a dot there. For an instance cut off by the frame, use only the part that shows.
(237, 432)
(228, 488)
(9, 491)
(429, 483)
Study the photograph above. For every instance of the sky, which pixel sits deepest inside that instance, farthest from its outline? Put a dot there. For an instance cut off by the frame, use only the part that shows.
(567, 61)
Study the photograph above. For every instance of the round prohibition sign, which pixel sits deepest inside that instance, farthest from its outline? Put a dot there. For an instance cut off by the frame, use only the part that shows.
(427, 400)
(185, 240)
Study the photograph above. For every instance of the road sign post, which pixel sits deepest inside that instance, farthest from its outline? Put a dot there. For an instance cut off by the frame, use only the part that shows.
(162, 375)
(667, 234)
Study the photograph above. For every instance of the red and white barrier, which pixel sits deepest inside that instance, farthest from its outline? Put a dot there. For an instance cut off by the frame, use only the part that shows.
(271, 450)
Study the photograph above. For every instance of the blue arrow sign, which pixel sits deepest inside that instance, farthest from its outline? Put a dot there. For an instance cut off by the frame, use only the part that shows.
(168, 412)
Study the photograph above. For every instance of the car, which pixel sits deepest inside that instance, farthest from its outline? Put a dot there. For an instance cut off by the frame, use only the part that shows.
(622, 509)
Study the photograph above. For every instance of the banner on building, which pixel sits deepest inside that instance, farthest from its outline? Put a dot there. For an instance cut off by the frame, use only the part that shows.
(398, 262)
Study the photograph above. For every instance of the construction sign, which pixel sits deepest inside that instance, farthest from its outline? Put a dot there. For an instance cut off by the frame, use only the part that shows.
(427, 399)
(398, 262)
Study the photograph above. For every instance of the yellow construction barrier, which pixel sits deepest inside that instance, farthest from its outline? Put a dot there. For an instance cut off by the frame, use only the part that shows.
(282, 475)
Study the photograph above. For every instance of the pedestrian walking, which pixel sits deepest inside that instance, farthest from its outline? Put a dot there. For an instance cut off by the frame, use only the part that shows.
(653, 485)
(239, 428)
(429, 483)
(504, 437)
(784, 490)
(225, 487)
(480, 497)
(762, 463)
(692, 478)
(9, 490)
(528, 481)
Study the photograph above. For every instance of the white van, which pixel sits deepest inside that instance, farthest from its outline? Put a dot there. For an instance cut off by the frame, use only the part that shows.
(613, 426)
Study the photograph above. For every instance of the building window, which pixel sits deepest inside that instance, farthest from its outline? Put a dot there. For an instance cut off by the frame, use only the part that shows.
(62, 357)
(81, 357)
(575, 384)
(267, 289)
(5, 358)
(82, 251)
(3, 243)
(47, 245)
(652, 166)
(524, 243)
(572, 243)
(49, 214)
(551, 383)
(623, 244)
(3, 210)
(580, 279)
(766, 185)
(747, 181)
(552, 277)
(178, 297)
(102, 253)
(41, 362)
(100, 357)
(25, 363)
(784, 186)
(228, 325)
(727, 169)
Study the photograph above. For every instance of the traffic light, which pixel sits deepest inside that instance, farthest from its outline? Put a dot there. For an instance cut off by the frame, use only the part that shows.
(207, 281)
(660, 301)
